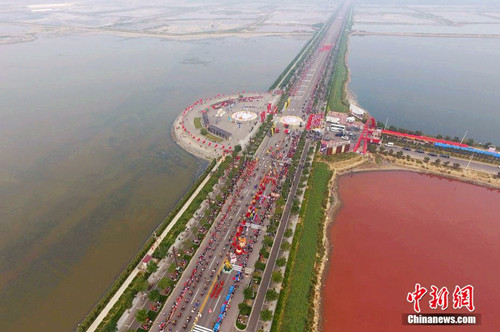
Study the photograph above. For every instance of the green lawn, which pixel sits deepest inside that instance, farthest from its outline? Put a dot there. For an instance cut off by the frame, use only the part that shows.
(337, 101)
(197, 123)
(294, 308)
(214, 138)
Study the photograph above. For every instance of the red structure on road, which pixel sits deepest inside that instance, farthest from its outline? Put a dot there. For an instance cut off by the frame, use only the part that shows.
(370, 134)
(422, 138)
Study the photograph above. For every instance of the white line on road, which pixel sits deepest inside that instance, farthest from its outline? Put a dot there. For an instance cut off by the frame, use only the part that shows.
(199, 328)
(194, 297)
(213, 260)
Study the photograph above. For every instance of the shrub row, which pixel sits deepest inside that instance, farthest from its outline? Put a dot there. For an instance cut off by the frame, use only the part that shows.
(291, 314)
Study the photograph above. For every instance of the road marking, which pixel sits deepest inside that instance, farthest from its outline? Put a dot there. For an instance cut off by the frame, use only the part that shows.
(199, 328)
(215, 306)
(208, 293)
(194, 297)
(213, 260)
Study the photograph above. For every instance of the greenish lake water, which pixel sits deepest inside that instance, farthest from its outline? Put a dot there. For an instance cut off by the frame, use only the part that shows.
(88, 168)
(436, 85)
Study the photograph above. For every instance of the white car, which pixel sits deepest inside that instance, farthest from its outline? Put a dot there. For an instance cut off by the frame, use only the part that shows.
(345, 137)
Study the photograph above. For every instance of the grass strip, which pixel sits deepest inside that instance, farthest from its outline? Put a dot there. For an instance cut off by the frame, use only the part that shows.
(337, 99)
(197, 123)
(294, 309)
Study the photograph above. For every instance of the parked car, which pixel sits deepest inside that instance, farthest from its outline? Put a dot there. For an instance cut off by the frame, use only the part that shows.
(444, 155)
(406, 148)
(432, 154)
(420, 151)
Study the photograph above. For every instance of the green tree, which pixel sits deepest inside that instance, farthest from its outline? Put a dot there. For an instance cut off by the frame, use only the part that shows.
(470, 141)
(399, 154)
(266, 315)
(163, 283)
(237, 148)
(140, 284)
(260, 266)
(161, 251)
(426, 159)
(276, 276)
(244, 308)
(152, 266)
(446, 163)
(141, 315)
(154, 295)
(204, 131)
(281, 261)
(295, 207)
(248, 293)
(111, 326)
(268, 241)
(271, 295)
(288, 232)
(456, 166)
(437, 162)
(285, 246)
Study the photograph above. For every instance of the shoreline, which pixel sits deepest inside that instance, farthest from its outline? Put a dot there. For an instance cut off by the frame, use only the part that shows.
(333, 209)
(177, 136)
(350, 95)
(366, 165)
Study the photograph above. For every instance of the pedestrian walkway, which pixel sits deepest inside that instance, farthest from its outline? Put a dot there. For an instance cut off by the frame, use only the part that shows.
(239, 268)
(199, 328)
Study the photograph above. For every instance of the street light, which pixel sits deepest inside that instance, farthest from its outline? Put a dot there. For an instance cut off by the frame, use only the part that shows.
(472, 156)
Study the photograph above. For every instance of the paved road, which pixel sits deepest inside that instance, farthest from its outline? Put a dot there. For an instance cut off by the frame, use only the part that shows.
(303, 97)
(474, 165)
(266, 278)
(200, 295)
(206, 298)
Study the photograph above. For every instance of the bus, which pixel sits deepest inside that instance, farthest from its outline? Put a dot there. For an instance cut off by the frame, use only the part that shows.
(337, 127)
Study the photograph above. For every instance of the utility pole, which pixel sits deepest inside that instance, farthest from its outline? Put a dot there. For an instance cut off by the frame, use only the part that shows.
(472, 156)
(175, 258)
(463, 137)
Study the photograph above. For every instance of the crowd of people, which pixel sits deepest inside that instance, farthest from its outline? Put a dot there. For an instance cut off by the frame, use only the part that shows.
(270, 171)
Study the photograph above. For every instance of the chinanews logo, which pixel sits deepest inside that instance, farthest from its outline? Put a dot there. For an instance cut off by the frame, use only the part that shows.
(462, 297)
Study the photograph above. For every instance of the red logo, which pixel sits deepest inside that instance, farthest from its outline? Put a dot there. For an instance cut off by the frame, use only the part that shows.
(416, 296)
(439, 298)
(462, 297)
